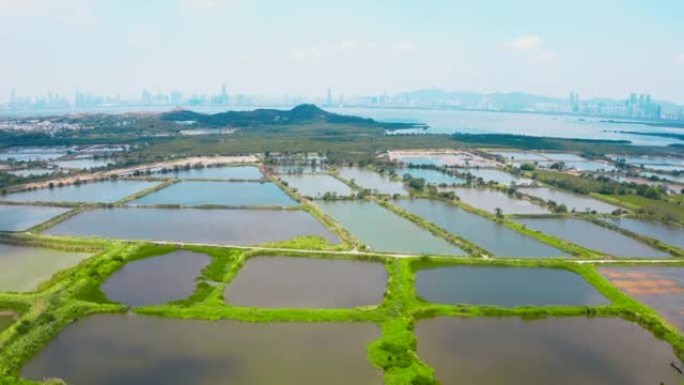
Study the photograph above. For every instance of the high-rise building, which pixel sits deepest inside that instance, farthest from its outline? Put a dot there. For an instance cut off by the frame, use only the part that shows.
(328, 100)
(13, 97)
(224, 95)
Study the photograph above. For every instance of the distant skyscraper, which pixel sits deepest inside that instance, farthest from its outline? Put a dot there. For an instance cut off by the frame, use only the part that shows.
(224, 95)
(13, 97)
(328, 100)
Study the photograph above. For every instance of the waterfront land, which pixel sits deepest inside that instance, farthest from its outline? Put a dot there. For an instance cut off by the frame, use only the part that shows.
(412, 252)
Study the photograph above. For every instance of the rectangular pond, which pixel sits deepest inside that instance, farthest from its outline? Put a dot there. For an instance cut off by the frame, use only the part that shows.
(432, 176)
(317, 185)
(156, 280)
(32, 172)
(559, 351)
(514, 156)
(592, 236)
(498, 176)
(574, 202)
(671, 234)
(372, 180)
(22, 268)
(505, 287)
(21, 218)
(383, 230)
(216, 226)
(138, 350)
(291, 282)
(298, 169)
(32, 154)
(661, 288)
(496, 238)
(106, 192)
(237, 194)
(225, 173)
(84, 164)
(490, 200)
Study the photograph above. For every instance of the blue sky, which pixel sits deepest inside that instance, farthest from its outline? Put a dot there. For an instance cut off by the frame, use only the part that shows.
(299, 47)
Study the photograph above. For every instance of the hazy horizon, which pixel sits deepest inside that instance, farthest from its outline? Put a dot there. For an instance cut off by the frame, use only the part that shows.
(301, 48)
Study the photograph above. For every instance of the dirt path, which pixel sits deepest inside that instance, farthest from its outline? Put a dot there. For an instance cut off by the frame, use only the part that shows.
(193, 161)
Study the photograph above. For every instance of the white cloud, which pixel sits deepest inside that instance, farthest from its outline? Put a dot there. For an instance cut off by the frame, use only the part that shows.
(405, 46)
(679, 59)
(349, 44)
(524, 43)
(307, 54)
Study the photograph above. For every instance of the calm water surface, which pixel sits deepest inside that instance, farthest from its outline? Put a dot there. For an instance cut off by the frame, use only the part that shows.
(233, 172)
(105, 192)
(496, 238)
(24, 268)
(383, 230)
(82, 164)
(661, 288)
(490, 200)
(559, 351)
(593, 236)
(137, 350)
(372, 180)
(500, 177)
(432, 176)
(288, 282)
(574, 202)
(156, 280)
(668, 233)
(483, 122)
(218, 193)
(505, 286)
(238, 227)
(315, 186)
(20, 218)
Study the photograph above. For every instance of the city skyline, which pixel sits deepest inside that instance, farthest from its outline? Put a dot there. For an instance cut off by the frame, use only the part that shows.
(633, 106)
(357, 48)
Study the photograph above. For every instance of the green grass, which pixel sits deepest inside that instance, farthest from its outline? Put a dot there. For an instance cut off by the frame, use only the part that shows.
(75, 293)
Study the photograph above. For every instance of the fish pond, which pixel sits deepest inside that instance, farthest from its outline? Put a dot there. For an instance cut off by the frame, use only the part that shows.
(574, 202)
(498, 176)
(383, 230)
(432, 176)
(237, 194)
(84, 164)
(33, 154)
(156, 280)
(317, 185)
(559, 351)
(505, 287)
(289, 282)
(592, 236)
(661, 288)
(490, 200)
(21, 218)
(216, 226)
(495, 237)
(372, 180)
(106, 192)
(225, 173)
(23, 268)
(138, 350)
(32, 172)
(668, 233)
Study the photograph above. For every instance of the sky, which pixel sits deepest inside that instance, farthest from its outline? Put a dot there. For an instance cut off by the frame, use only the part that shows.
(605, 48)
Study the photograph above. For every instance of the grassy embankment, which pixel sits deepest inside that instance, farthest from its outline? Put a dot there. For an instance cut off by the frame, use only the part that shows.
(75, 293)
